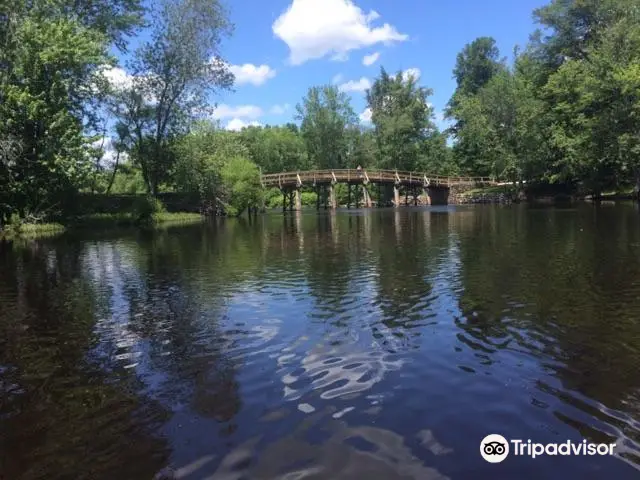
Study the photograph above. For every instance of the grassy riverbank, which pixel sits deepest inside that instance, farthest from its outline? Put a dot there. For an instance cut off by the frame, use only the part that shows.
(99, 221)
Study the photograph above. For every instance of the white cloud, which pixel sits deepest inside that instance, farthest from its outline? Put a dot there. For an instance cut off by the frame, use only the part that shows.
(117, 77)
(238, 124)
(224, 111)
(411, 72)
(365, 117)
(280, 109)
(314, 29)
(119, 80)
(340, 57)
(337, 79)
(356, 85)
(249, 73)
(369, 60)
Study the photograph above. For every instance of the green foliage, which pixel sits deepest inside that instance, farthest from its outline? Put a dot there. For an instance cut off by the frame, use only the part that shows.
(128, 180)
(362, 148)
(272, 198)
(145, 208)
(309, 199)
(241, 186)
(276, 149)
(174, 74)
(402, 117)
(567, 111)
(325, 114)
(44, 101)
(50, 55)
(478, 62)
(593, 96)
(200, 157)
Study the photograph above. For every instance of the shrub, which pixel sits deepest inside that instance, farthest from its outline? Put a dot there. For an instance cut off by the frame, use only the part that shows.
(309, 198)
(146, 208)
(15, 224)
(241, 185)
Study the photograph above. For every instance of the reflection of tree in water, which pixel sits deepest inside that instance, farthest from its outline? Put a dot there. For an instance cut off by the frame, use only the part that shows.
(176, 319)
(62, 415)
(329, 265)
(408, 252)
(561, 285)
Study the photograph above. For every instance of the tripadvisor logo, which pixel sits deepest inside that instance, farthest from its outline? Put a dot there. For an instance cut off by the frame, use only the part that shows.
(495, 448)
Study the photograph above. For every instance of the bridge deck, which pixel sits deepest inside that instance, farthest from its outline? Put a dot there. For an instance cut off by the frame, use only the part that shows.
(395, 177)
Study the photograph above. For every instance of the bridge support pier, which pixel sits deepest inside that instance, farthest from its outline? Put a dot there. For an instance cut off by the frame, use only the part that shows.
(349, 196)
(366, 198)
(291, 199)
(298, 199)
(396, 196)
(332, 196)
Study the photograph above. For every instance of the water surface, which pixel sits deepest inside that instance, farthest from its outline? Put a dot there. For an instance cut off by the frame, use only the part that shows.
(374, 344)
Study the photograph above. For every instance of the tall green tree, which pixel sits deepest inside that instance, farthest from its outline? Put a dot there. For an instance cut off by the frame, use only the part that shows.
(476, 64)
(325, 114)
(402, 118)
(475, 145)
(174, 74)
(50, 54)
(594, 102)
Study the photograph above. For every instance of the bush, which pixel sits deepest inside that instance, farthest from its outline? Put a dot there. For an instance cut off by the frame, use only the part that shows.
(15, 224)
(241, 185)
(309, 199)
(273, 198)
(146, 208)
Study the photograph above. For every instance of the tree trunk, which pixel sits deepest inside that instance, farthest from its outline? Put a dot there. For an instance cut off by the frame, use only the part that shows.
(113, 175)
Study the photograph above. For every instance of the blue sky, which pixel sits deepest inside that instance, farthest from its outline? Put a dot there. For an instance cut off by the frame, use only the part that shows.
(282, 47)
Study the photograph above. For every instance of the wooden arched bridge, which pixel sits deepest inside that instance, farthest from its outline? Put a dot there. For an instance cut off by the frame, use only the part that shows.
(389, 183)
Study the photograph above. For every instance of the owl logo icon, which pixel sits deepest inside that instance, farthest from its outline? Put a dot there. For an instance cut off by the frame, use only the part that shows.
(494, 448)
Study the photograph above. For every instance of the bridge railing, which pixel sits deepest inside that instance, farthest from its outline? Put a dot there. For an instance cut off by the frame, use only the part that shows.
(310, 177)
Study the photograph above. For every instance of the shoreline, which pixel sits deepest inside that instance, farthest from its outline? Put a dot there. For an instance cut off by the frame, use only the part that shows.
(99, 222)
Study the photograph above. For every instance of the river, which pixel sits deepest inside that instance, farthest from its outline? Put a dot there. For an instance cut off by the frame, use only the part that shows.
(376, 344)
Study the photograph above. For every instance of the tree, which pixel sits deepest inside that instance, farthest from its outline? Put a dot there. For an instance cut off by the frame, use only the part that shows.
(574, 26)
(501, 133)
(477, 149)
(275, 149)
(362, 148)
(240, 185)
(201, 155)
(44, 102)
(435, 156)
(50, 90)
(402, 118)
(476, 64)
(325, 113)
(174, 74)
(595, 104)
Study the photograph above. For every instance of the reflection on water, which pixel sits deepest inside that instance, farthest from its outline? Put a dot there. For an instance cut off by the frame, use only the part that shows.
(381, 344)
